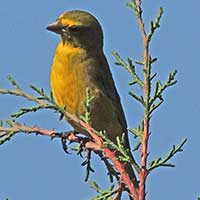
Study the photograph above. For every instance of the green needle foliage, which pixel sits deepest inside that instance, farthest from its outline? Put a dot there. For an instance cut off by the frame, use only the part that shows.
(87, 105)
(156, 23)
(130, 68)
(152, 97)
(163, 162)
(103, 195)
(6, 136)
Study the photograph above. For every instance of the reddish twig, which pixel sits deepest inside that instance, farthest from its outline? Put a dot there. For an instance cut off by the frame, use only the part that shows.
(124, 176)
(145, 137)
(95, 144)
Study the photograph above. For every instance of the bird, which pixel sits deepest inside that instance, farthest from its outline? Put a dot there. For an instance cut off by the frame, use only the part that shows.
(79, 64)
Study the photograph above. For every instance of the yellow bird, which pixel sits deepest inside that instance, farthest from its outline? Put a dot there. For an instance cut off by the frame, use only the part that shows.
(80, 63)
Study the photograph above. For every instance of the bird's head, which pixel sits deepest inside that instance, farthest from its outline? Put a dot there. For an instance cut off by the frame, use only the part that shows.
(79, 29)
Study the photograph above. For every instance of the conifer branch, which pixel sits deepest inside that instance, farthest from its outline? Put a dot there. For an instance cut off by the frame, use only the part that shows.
(163, 162)
(130, 68)
(155, 24)
(150, 103)
(96, 142)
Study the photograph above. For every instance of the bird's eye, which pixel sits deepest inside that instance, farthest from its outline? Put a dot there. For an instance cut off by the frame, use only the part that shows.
(74, 29)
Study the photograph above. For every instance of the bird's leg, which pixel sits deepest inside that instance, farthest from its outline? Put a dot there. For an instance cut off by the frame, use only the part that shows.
(72, 136)
(64, 136)
(68, 134)
(82, 146)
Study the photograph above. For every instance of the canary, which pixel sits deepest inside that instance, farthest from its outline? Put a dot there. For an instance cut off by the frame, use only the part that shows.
(80, 63)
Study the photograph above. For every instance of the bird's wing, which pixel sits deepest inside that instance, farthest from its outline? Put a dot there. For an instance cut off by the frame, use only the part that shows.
(104, 80)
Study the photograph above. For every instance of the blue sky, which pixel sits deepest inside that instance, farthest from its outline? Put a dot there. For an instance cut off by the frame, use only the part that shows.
(37, 168)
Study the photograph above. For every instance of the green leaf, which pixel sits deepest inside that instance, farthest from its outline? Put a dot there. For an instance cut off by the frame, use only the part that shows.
(13, 82)
(164, 162)
(95, 186)
(10, 122)
(137, 98)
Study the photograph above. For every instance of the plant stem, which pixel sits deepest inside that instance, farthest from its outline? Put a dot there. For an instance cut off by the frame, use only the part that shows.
(146, 90)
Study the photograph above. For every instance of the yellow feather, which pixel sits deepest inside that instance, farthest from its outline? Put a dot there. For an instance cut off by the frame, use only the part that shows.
(67, 77)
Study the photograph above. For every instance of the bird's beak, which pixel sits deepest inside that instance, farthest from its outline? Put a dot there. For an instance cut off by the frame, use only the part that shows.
(55, 27)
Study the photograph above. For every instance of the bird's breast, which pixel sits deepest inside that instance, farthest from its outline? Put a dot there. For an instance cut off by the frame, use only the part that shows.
(69, 78)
